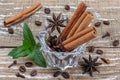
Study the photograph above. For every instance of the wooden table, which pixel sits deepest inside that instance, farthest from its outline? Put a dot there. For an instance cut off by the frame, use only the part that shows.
(102, 9)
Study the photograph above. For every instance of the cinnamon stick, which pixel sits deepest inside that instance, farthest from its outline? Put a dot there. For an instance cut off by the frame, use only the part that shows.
(80, 9)
(83, 39)
(77, 24)
(22, 15)
(78, 35)
(84, 23)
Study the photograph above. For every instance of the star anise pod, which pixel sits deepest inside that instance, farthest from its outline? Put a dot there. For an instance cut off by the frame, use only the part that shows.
(90, 65)
(56, 23)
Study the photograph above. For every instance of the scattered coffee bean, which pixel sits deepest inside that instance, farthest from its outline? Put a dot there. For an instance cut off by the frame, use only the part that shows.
(99, 51)
(56, 74)
(38, 23)
(22, 69)
(65, 75)
(90, 49)
(106, 22)
(10, 31)
(97, 24)
(115, 43)
(67, 7)
(20, 75)
(107, 34)
(107, 61)
(47, 10)
(14, 63)
(28, 64)
(33, 73)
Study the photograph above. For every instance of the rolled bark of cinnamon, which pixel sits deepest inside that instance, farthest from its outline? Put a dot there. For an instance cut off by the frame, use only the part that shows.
(78, 35)
(80, 9)
(83, 39)
(22, 15)
(71, 33)
(84, 23)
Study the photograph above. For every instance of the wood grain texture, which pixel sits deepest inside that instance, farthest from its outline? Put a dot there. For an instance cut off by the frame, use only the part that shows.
(102, 9)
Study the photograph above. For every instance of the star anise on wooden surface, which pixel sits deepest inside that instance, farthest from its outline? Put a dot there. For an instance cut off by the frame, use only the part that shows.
(56, 23)
(90, 65)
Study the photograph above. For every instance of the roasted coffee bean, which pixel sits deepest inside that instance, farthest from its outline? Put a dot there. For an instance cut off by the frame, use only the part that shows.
(20, 75)
(14, 63)
(67, 7)
(97, 24)
(99, 51)
(107, 34)
(65, 75)
(106, 22)
(33, 73)
(47, 10)
(28, 64)
(10, 31)
(56, 74)
(22, 69)
(107, 61)
(90, 49)
(38, 23)
(62, 48)
(115, 43)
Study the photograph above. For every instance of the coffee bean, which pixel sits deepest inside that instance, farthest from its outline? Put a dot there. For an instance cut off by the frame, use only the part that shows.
(97, 24)
(107, 61)
(99, 51)
(56, 74)
(20, 75)
(28, 64)
(10, 31)
(106, 22)
(22, 69)
(33, 73)
(115, 43)
(38, 23)
(67, 7)
(47, 10)
(62, 48)
(90, 48)
(65, 75)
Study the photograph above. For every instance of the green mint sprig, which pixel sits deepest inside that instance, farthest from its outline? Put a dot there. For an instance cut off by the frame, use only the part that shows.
(29, 48)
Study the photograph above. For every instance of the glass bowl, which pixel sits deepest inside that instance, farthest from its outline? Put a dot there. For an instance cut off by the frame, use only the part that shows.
(59, 60)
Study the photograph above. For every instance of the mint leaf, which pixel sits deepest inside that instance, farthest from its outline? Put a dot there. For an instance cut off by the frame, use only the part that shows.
(37, 56)
(29, 48)
(28, 41)
(18, 52)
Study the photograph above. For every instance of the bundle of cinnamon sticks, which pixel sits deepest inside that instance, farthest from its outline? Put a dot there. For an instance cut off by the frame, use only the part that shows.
(78, 30)
(22, 15)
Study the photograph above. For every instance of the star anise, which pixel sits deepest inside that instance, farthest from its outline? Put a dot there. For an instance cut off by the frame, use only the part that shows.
(90, 65)
(56, 23)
